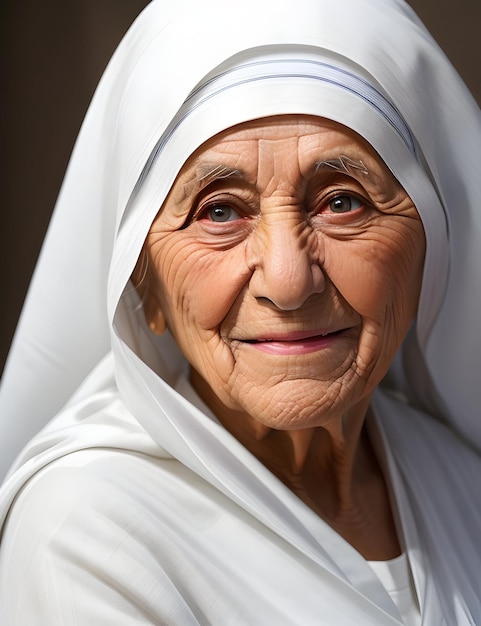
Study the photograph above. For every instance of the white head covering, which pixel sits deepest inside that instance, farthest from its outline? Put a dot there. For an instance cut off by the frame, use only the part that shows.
(65, 328)
(185, 71)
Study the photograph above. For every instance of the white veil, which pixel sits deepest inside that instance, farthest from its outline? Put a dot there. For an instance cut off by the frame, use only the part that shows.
(65, 330)
(185, 71)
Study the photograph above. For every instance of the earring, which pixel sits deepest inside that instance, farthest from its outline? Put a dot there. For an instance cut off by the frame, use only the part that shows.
(156, 319)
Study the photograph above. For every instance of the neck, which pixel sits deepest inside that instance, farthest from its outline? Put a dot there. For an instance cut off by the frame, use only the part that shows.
(332, 468)
(323, 465)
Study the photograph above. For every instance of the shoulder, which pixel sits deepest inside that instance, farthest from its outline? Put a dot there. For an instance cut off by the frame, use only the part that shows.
(418, 432)
(79, 540)
(440, 469)
(110, 491)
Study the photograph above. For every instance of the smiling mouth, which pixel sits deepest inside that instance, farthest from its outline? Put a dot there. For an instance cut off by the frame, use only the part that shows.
(297, 342)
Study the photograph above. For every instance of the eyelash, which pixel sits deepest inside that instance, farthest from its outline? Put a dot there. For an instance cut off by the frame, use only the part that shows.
(325, 202)
(248, 208)
(240, 206)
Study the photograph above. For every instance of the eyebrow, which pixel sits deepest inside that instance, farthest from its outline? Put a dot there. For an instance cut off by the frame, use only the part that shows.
(343, 163)
(206, 173)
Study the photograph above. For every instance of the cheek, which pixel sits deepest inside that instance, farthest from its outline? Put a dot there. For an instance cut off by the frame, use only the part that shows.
(380, 274)
(197, 286)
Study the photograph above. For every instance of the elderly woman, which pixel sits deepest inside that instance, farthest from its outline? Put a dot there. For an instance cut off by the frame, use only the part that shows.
(255, 319)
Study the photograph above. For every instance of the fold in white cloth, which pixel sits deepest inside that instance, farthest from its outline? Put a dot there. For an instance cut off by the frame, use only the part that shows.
(134, 505)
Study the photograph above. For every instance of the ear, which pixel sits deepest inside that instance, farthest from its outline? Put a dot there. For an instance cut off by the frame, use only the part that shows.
(141, 279)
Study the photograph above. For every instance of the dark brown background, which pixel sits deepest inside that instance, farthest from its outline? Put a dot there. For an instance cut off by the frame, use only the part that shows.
(52, 55)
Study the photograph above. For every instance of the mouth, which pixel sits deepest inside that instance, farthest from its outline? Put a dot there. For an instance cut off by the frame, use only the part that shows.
(297, 342)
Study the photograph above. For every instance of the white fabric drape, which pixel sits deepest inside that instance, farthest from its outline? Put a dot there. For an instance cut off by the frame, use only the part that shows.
(185, 71)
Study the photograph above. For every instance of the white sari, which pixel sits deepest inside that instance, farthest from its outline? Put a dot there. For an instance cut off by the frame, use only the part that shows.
(134, 505)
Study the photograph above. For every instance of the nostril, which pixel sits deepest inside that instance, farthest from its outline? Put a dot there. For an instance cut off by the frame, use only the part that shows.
(267, 302)
(285, 265)
(286, 290)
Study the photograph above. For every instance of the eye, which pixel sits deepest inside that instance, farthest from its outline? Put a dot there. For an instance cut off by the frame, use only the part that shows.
(344, 204)
(220, 213)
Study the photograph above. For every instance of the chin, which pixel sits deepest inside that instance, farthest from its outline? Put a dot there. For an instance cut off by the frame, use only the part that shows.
(295, 405)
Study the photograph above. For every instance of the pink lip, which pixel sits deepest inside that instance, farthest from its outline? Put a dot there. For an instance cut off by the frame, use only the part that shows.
(296, 343)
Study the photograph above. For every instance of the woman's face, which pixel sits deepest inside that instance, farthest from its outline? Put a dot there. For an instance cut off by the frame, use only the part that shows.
(286, 262)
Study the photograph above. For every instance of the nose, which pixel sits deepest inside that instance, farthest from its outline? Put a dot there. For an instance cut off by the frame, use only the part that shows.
(284, 257)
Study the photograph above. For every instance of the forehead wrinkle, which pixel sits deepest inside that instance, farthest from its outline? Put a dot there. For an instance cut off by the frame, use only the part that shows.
(278, 170)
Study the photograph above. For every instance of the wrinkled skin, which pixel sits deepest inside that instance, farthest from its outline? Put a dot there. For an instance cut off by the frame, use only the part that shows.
(288, 284)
